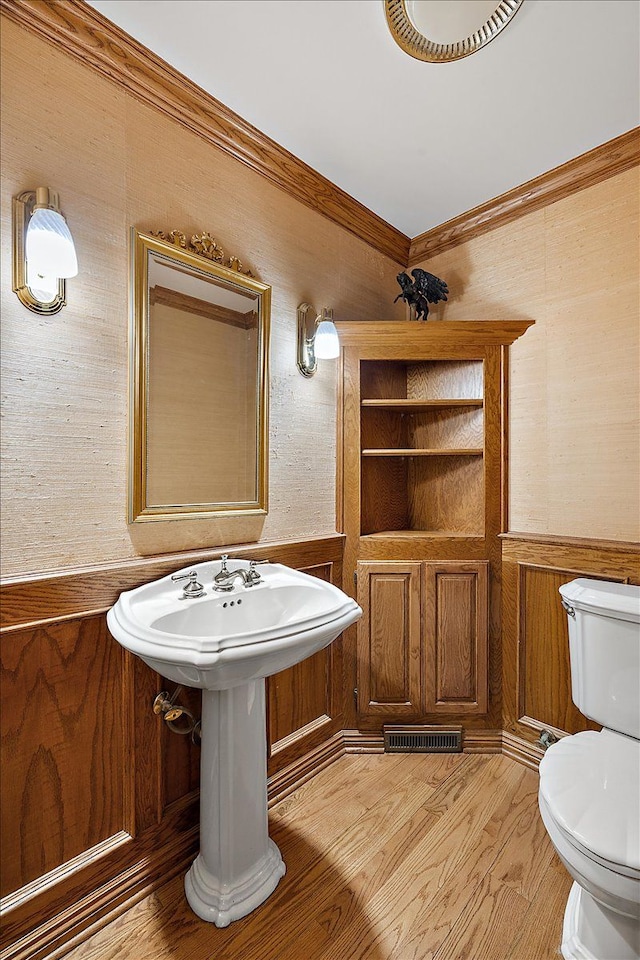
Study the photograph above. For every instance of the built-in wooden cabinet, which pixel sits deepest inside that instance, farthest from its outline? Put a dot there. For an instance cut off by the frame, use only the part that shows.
(423, 638)
(422, 498)
(456, 636)
(389, 638)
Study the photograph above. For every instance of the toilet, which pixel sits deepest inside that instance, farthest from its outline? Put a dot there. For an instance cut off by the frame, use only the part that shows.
(590, 782)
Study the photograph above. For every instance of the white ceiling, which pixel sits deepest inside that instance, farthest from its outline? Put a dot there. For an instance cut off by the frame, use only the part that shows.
(418, 143)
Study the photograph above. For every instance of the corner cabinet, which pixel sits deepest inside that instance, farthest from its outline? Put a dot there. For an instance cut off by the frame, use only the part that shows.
(422, 496)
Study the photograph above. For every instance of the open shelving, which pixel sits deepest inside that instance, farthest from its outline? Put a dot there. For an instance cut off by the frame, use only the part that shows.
(422, 448)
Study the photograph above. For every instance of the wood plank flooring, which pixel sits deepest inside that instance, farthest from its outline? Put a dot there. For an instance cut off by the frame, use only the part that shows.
(389, 857)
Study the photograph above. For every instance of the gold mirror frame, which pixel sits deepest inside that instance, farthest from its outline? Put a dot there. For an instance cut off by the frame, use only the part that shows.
(204, 259)
(420, 47)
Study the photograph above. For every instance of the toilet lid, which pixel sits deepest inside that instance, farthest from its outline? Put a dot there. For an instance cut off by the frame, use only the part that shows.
(591, 784)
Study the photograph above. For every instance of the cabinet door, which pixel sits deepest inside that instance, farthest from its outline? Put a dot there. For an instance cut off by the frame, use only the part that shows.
(389, 639)
(456, 637)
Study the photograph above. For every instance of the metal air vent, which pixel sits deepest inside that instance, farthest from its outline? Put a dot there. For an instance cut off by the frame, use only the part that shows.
(422, 739)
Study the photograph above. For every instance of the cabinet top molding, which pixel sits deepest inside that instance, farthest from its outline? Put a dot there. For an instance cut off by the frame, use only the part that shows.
(433, 332)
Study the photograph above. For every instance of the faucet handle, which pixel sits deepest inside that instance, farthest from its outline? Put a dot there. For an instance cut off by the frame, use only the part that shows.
(253, 576)
(192, 588)
(222, 573)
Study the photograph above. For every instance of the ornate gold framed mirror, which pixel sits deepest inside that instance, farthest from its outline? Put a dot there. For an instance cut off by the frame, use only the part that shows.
(441, 30)
(199, 341)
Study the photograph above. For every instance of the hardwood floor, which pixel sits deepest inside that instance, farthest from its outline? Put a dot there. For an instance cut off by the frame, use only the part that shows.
(389, 857)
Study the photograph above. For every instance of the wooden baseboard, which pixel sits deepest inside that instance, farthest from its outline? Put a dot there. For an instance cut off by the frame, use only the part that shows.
(363, 741)
(287, 780)
(482, 741)
(523, 751)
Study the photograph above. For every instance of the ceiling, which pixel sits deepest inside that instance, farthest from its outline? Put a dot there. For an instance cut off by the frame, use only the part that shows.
(417, 143)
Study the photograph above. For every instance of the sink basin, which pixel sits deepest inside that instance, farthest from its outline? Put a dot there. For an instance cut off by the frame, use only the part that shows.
(226, 643)
(222, 640)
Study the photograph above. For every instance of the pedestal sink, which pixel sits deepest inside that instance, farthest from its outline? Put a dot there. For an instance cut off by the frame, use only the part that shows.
(226, 643)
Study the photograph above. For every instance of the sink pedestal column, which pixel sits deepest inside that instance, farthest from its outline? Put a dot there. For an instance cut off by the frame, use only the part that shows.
(238, 866)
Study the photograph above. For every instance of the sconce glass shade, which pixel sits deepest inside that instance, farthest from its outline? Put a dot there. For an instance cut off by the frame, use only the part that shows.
(49, 247)
(327, 345)
(44, 288)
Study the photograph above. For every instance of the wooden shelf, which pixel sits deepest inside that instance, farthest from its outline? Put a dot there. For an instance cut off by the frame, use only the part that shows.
(409, 452)
(416, 406)
(421, 535)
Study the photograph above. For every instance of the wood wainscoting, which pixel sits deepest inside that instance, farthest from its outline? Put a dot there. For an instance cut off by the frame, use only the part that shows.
(100, 800)
(536, 679)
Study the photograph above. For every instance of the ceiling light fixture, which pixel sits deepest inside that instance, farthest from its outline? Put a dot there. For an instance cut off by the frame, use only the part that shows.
(439, 31)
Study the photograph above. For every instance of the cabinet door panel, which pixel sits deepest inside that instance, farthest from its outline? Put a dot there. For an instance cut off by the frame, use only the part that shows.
(456, 637)
(389, 638)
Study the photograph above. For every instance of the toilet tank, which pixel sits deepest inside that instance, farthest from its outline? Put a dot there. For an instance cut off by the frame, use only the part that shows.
(604, 646)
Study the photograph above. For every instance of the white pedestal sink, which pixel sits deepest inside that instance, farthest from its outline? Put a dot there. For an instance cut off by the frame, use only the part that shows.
(226, 644)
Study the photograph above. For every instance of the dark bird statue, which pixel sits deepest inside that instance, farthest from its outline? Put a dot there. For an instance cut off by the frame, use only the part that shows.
(421, 291)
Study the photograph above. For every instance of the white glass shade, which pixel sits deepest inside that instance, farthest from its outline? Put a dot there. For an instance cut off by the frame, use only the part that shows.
(49, 247)
(327, 344)
(43, 288)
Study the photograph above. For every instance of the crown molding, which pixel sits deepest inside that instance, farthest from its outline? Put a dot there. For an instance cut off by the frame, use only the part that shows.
(590, 168)
(82, 32)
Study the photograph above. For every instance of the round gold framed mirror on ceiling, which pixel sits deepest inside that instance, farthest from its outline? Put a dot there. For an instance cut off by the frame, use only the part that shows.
(438, 31)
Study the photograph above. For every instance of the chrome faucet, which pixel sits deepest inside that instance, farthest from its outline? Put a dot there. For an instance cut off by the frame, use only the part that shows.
(191, 589)
(224, 578)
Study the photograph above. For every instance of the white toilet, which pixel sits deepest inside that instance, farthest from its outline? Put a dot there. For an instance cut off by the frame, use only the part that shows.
(590, 782)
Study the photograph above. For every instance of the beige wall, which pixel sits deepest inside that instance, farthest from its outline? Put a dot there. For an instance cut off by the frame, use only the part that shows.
(118, 163)
(575, 404)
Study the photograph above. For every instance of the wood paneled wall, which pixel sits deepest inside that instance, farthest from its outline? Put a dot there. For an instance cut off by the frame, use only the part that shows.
(99, 798)
(536, 680)
(574, 409)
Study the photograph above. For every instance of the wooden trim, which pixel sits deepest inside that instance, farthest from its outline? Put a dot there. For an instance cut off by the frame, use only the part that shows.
(538, 727)
(607, 160)
(520, 750)
(363, 741)
(315, 726)
(86, 35)
(34, 600)
(83, 33)
(482, 741)
(285, 781)
(379, 338)
(589, 543)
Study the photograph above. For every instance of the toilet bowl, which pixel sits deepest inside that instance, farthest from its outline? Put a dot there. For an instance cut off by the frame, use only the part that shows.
(589, 794)
(593, 819)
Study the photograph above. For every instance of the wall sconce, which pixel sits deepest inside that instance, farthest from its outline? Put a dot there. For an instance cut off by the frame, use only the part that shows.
(317, 338)
(44, 254)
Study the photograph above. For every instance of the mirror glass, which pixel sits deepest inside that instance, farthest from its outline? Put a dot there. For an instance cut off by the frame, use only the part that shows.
(199, 357)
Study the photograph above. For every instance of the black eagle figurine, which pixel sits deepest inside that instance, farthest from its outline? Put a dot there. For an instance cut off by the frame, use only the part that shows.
(421, 291)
